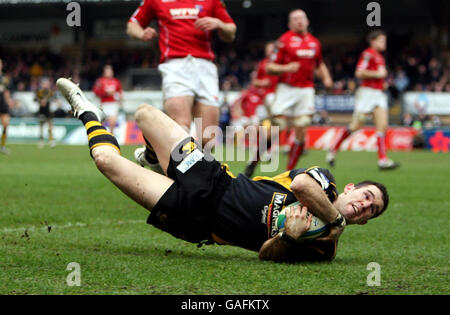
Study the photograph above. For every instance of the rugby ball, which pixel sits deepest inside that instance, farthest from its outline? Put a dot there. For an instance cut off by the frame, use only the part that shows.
(317, 228)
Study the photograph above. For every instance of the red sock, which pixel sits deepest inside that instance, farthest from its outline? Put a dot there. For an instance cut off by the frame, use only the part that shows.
(344, 135)
(381, 142)
(295, 153)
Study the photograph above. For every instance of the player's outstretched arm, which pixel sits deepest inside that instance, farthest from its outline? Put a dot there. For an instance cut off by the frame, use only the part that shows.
(364, 74)
(226, 31)
(310, 194)
(277, 248)
(136, 31)
(324, 75)
(273, 68)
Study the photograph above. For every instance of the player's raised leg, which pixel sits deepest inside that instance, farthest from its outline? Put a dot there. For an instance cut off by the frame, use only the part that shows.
(5, 123)
(136, 182)
(357, 123)
(180, 109)
(380, 116)
(264, 143)
(209, 116)
(301, 124)
(161, 131)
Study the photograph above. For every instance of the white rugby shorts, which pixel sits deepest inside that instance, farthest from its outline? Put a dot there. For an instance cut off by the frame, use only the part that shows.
(269, 99)
(366, 99)
(111, 109)
(190, 76)
(293, 101)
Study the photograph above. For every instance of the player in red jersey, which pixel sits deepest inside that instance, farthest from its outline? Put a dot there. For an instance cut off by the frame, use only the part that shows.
(370, 98)
(266, 85)
(109, 90)
(244, 108)
(190, 81)
(298, 57)
(264, 80)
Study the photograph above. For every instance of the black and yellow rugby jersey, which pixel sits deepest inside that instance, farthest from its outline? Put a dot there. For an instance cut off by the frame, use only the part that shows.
(247, 213)
(4, 85)
(46, 94)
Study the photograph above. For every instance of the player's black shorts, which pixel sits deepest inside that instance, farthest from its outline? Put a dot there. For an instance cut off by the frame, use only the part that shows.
(4, 109)
(187, 209)
(44, 112)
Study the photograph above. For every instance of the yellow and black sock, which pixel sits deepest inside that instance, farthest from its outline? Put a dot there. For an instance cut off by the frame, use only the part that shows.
(3, 138)
(97, 134)
(50, 135)
(150, 154)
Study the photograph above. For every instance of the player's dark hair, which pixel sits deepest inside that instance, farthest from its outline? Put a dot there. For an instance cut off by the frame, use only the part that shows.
(374, 35)
(383, 190)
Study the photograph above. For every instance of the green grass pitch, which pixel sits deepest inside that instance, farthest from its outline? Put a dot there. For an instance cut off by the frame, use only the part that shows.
(56, 208)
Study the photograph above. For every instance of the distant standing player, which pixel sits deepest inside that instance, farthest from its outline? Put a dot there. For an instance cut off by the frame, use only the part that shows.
(44, 96)
(190, 81)
(298, 57)
(109, 90)
(266, 84)
(370, 98)
(5, 102)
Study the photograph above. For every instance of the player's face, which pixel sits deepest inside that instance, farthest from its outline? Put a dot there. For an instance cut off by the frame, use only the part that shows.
(379, 43)
(358, 205)
(108, 72)
(45, 84)
(298, 21)
(270, 48)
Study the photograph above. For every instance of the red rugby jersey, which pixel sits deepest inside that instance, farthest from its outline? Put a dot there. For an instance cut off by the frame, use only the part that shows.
(250, 99)
(261, 74)
(371, 59)
(302, 48)
(178, 36)
(104, 85)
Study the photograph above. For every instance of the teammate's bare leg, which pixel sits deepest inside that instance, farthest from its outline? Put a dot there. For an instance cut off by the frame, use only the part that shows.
(357, 123)
(180, 108)
(298, 147)
(4, 118)
(380, 116)
(209, 116)
(112, 120)
(162, 132)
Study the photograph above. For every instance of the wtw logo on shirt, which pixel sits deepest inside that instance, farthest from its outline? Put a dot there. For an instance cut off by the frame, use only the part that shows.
(185, 13)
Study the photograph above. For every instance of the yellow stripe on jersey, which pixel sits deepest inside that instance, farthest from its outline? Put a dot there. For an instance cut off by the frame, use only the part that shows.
(98, 132)
(92, 124)
(283, 179)
(227, 169)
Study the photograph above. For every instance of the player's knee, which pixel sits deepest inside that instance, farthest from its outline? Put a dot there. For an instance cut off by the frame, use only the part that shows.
(103, 159)
(382, 128)
(280, 122)
(302, 121)
(210, 140)
(143, 112)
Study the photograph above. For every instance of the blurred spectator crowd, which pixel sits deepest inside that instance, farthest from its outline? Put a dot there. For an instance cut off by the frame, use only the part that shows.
(410, 69)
